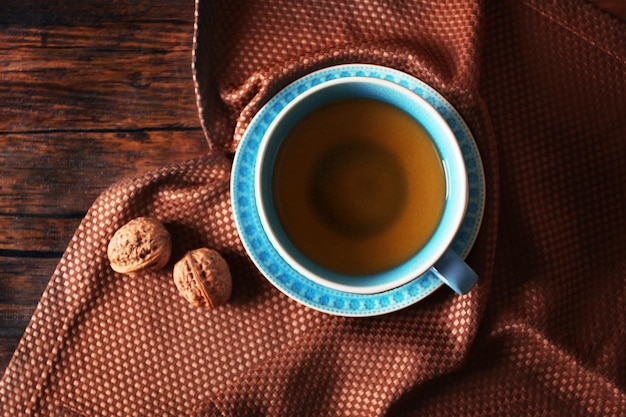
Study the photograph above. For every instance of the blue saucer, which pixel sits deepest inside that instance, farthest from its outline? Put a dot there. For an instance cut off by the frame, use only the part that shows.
(288, 280)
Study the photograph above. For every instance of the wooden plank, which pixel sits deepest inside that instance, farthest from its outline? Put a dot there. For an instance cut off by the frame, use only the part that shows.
(7, 347)
(60, 174)
(77, 12)
(22, 282)
(102, 67)
(13, 322)
(28, 234)
(14, 319)
(108, 77)
(146, 37)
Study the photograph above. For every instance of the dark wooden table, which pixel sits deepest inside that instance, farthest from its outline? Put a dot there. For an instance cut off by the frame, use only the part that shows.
(90, 92)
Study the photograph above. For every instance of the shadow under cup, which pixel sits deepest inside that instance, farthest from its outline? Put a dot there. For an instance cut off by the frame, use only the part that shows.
(433, 254)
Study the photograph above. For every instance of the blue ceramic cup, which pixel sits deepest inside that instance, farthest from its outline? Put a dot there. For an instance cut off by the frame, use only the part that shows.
(435, 255)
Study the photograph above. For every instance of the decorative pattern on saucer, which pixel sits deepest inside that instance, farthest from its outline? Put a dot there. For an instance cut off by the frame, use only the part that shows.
(288, 280)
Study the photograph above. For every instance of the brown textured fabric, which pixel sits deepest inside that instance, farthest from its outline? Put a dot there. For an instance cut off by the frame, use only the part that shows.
(542, 86)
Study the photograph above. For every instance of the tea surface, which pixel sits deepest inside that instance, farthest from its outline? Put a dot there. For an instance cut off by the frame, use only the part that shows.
(358, 186)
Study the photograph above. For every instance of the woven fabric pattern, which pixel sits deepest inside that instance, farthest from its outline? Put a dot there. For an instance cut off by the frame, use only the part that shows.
(541, 85)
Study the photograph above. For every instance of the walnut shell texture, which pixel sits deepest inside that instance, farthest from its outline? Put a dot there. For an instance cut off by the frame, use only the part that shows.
(143, 243)
(203, 278)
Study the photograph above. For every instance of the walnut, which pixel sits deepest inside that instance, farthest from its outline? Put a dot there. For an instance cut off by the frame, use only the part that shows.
(143, 243)
(203, 278)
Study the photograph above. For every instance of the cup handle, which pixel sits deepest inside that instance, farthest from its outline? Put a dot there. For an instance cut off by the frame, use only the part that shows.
(454, 272)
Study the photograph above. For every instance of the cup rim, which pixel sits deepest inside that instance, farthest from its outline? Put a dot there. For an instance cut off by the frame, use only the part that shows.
(452, 217)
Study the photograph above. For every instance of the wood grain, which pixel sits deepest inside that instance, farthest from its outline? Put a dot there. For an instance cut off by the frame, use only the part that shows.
(22, 282)
(61, 173)
(90, 93)
(85, 78)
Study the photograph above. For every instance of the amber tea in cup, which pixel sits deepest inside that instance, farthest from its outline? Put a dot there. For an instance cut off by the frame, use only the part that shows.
(358, 186)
